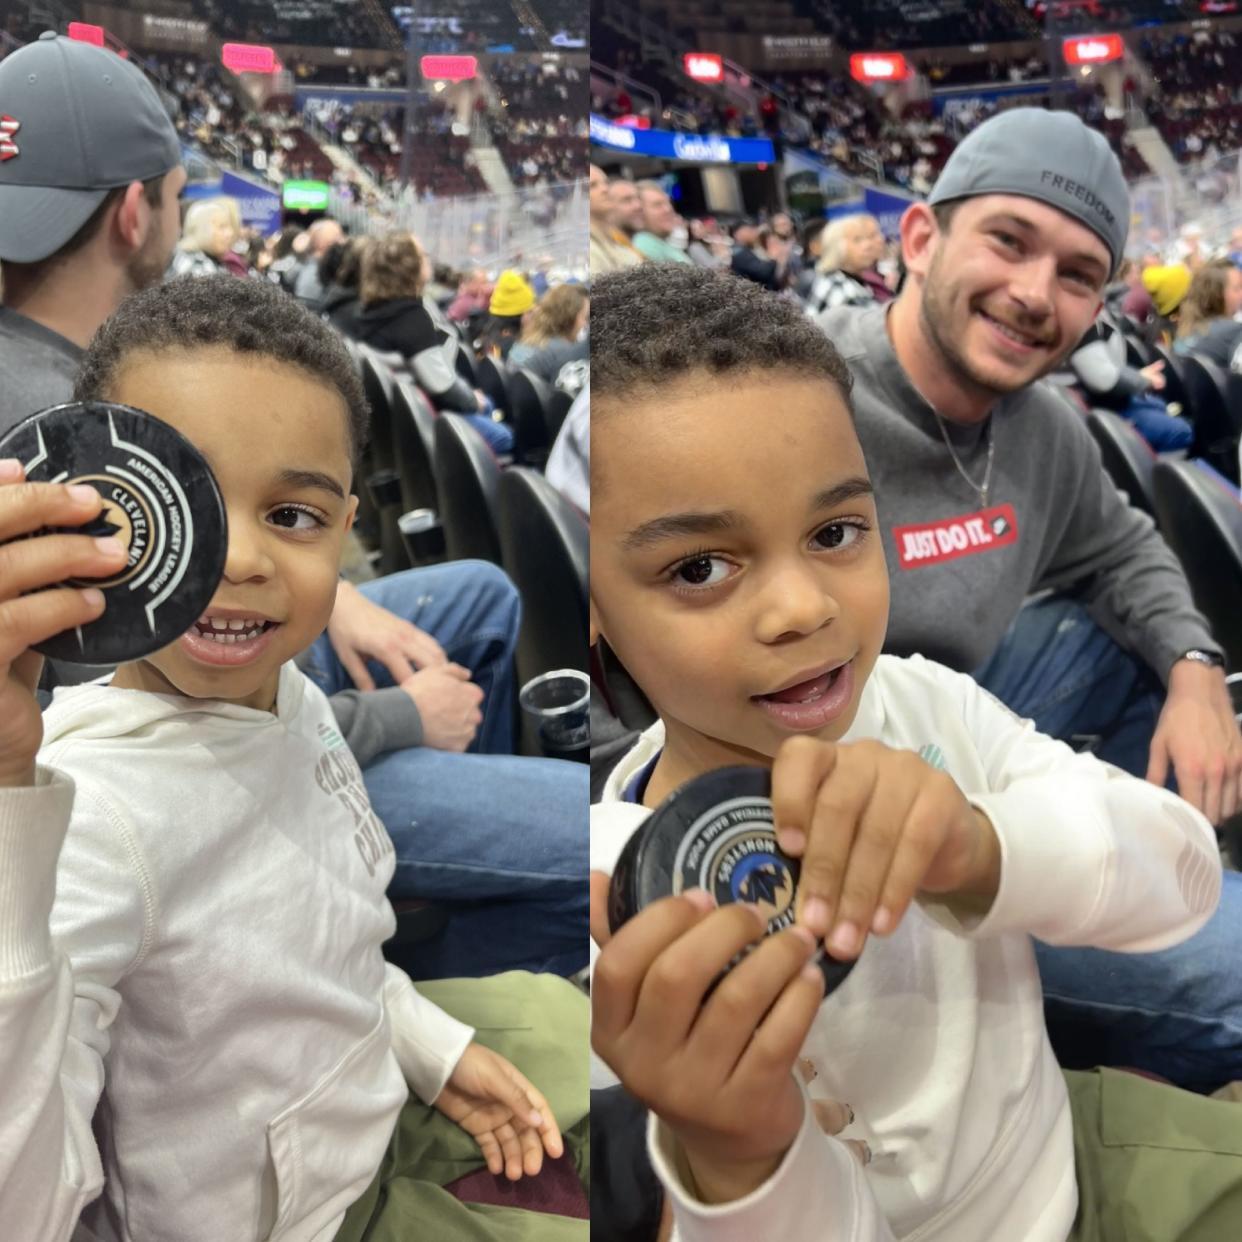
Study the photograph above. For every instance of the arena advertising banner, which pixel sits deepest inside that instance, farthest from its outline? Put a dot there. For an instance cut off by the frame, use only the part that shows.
(807, 50)
(691, 148)
(887, 208)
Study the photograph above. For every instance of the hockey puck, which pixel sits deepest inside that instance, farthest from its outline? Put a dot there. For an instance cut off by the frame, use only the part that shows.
(160, 499)
(715, 833)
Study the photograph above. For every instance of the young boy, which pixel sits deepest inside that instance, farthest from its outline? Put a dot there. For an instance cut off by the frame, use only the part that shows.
(195, 1016)
(737, 573)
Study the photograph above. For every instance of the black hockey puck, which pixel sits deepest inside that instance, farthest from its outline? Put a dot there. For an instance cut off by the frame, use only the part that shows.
(715, 833)
(160, 499)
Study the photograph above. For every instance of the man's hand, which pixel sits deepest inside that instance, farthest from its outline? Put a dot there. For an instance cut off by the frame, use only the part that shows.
(1154, 374)
(499, 1108)
(718, 1069)
(874, 827)
(360, 630)
(30, 614)
(1198, 735)
(449, 705)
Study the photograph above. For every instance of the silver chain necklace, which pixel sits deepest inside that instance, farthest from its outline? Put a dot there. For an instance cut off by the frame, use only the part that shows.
(987, 471)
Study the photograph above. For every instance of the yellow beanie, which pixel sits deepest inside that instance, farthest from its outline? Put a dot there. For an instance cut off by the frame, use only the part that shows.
(512, 295)
(1168, 286)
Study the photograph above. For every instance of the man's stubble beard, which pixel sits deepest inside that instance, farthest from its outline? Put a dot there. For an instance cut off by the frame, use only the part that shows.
(149, 265)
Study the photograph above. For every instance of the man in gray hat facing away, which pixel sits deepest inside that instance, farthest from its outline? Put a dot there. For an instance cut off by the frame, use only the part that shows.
(991, 490)
(90, 174)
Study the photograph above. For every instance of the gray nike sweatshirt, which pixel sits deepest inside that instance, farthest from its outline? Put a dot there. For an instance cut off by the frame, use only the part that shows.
(960, 571)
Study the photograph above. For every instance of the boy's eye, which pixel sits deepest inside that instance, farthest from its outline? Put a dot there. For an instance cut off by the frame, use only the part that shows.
(837, 535)
(291, 517)
(701, 571)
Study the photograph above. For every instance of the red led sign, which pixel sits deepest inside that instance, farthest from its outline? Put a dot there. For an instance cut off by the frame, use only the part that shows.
(703, 66)
(449, 68)
(84, 32)
(249, 58)
(1093, 49)
(879, 67)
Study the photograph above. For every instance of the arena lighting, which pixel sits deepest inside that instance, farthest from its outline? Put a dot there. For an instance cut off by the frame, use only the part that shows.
(249, 58)
(1093, 49)
(84, 32)
(449, 68)
(879, 67)
(703, 66)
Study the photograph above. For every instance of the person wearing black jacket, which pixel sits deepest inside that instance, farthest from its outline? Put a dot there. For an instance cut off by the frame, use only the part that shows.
(393, 318)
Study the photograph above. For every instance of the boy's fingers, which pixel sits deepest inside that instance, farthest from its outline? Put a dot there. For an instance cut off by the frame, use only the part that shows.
(620, 971)
(601, 933)
(919, 845)
(877, 840)
(28, 507)
(29, 564)
(32, 619)
(832, 1115)
(490, 1148)
(532, 1152)
(745, 994)
(673, 989)
(774, 1048)
(800, 768)
(839, 810)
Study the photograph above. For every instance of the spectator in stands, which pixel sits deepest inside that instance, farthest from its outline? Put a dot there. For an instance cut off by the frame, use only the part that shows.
(812, 253)
(75, 240)
(1206, 323)
(341, 275)
(569, 463)
(286, 259)
(1006, 267)
(759, 256)
(845, 275)
(324, 234)
(511, 301)
(472, 296)
(393, 318)
(1168, 287)
(611, 248)
(554, 333)
(708, 247)
(659, 221)
(211, 229)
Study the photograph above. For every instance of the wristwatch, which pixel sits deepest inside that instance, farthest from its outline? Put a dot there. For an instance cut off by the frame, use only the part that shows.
(1210, 658)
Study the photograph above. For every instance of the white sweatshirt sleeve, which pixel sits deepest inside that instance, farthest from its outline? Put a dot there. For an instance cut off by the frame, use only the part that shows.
(1089, 855)
(67, 936)
(818, 1194)
(427, 1042)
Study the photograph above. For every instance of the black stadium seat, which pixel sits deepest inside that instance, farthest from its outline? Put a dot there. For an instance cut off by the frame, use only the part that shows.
(468, 479)
(530, 396)
(494, 381)
(1216, 408)
(414, 433)
(1127, 457)
(1202, 519)
(544, 540)
(559, 405)
(1174, 391)
(378, 382)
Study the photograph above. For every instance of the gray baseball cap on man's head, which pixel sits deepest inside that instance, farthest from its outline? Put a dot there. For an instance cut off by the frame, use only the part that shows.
(1049, 156)
(75, 122)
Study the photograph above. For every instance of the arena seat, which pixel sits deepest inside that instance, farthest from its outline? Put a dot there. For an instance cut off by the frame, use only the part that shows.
(1174, 390)
(493, 379)
(466, 367)
(545, 544)
(414, 443)
(382, 480)
(1127, 457)
(468, 479)
(1201, 517)
(1216, 410)
(559, 404)
(530, 396)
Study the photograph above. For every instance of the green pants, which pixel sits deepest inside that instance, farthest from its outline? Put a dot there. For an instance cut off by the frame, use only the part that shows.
(541, 1024)
(1155, 1164)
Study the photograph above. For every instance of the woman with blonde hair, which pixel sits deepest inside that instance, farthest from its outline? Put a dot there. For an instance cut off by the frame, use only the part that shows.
(850, 247)
(211, 228)
(393, 318)
(554, 333)
(1205, 322)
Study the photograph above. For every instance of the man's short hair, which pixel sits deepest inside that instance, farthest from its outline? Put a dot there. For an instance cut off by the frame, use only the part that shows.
(247, 316)
(152, 191)
(654, 324)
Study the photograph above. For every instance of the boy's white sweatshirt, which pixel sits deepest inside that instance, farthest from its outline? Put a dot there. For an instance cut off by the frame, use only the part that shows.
(937, 1038)
(211, 994)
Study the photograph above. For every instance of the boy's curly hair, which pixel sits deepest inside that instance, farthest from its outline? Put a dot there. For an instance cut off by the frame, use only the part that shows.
(655, 323)
(246, 316)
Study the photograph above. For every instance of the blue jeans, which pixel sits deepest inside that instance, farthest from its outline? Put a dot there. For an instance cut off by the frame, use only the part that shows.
(1176, 1013)
(1152, 420)
(500, 840)
(499, 436)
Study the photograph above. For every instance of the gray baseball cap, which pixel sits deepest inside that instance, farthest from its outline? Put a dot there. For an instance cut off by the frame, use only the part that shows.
(1049, 156)
(75, 122)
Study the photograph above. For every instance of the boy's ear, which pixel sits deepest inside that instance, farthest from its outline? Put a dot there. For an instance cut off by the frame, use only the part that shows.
(594, 625)
(351, 513)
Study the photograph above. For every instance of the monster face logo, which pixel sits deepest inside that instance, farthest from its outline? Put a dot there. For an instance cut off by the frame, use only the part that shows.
(732, 853)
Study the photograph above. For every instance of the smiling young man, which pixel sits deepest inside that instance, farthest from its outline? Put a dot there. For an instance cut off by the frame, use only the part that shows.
(991, 490)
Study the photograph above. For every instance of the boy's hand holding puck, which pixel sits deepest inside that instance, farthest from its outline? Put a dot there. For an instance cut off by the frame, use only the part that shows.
(874, 827)
(33, 606)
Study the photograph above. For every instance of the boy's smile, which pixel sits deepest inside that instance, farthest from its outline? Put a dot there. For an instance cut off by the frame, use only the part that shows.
(277, 440)
(736, 566)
